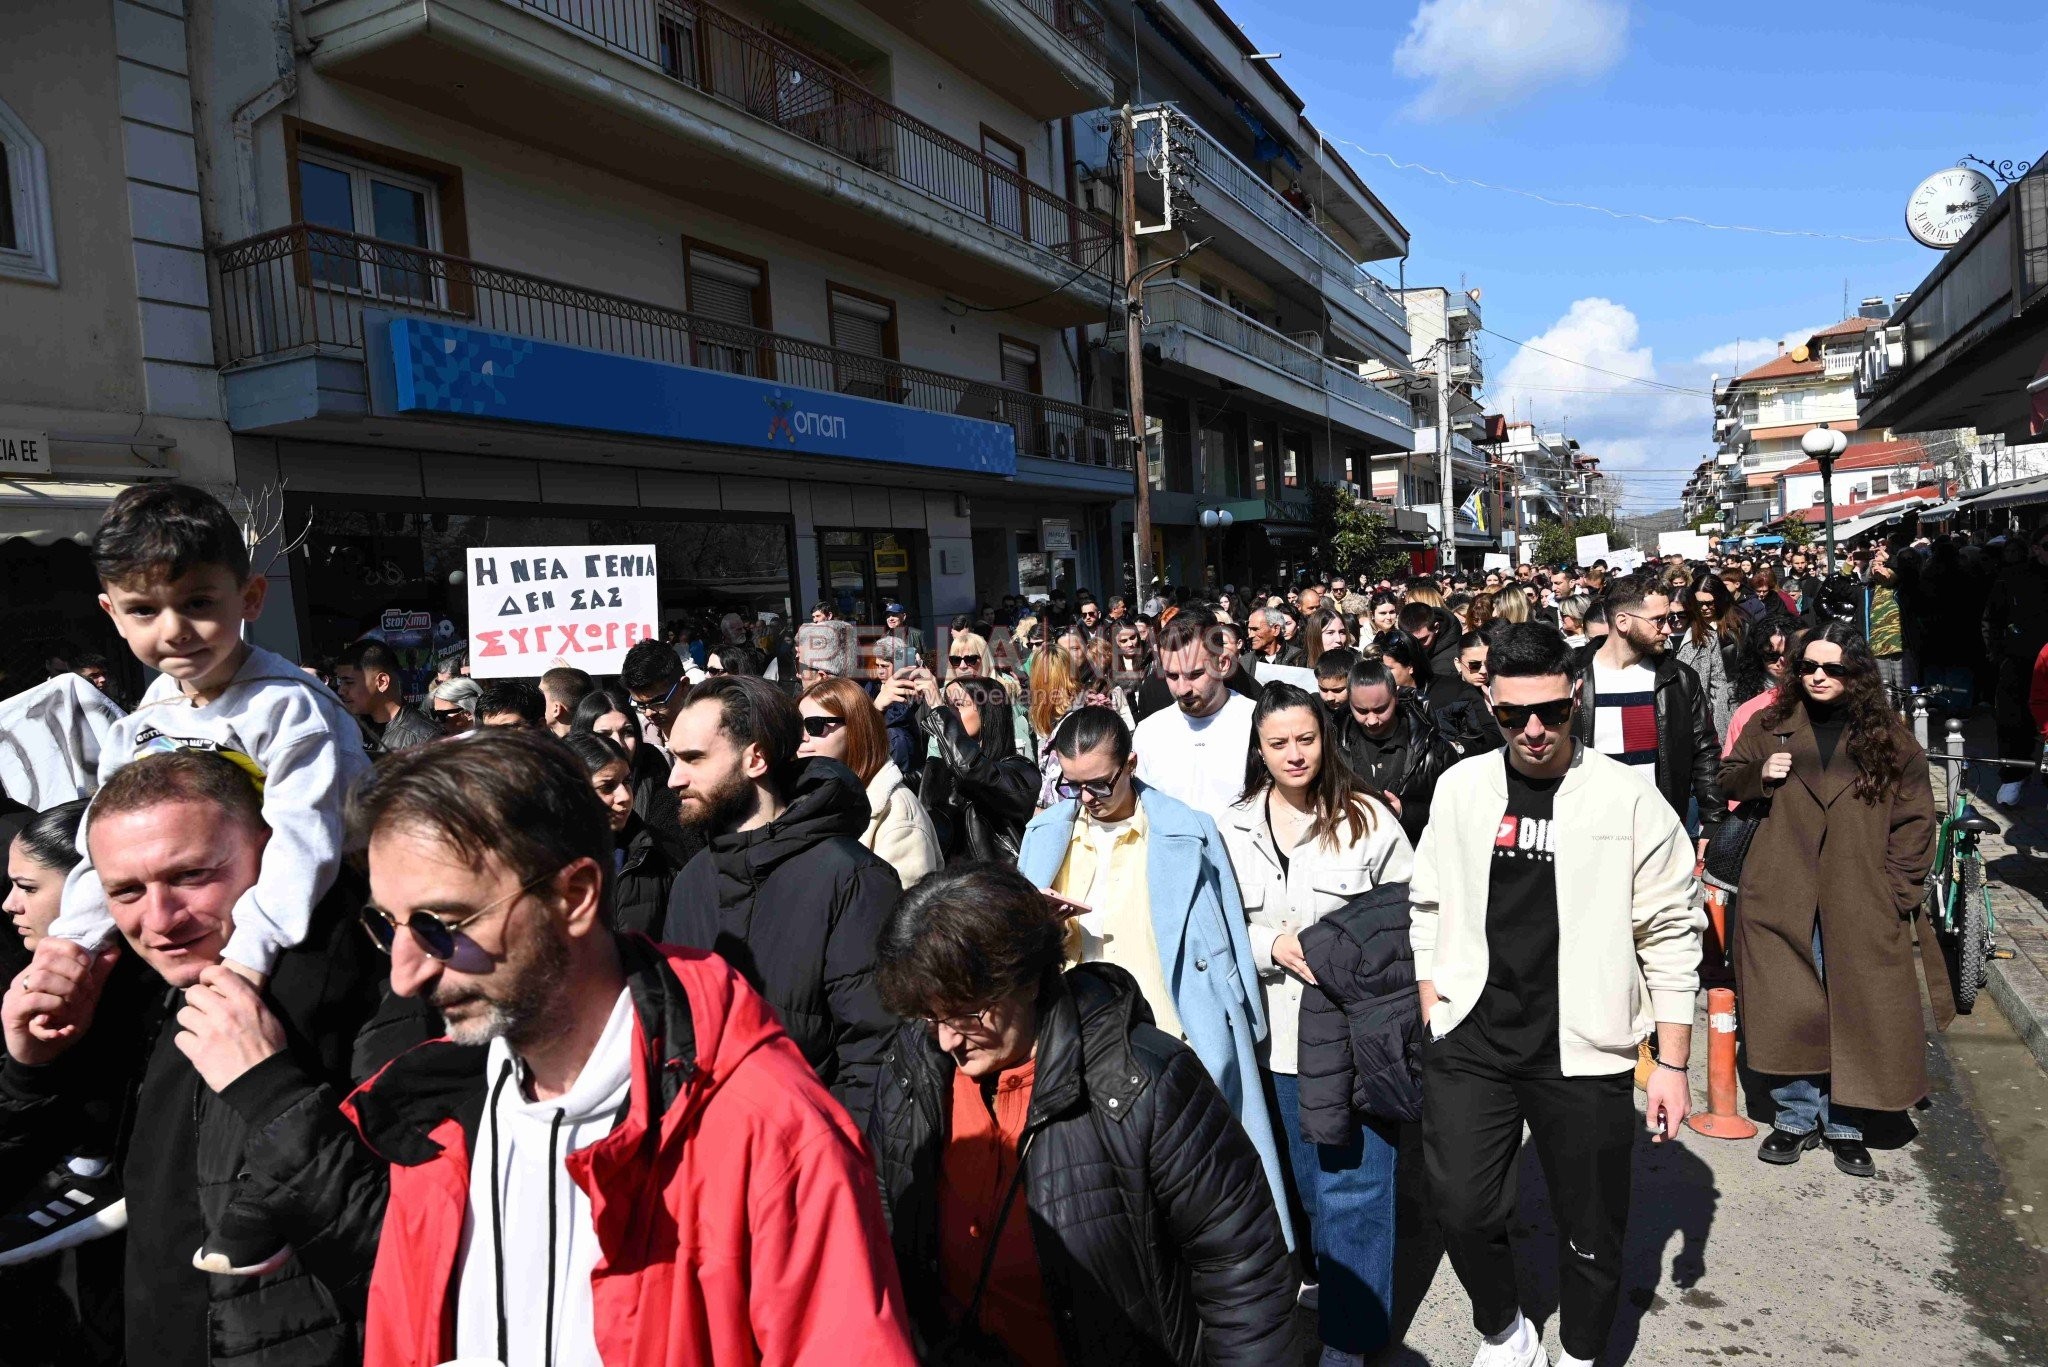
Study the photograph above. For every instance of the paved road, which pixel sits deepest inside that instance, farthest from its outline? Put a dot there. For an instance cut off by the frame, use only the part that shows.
(1932, 1262)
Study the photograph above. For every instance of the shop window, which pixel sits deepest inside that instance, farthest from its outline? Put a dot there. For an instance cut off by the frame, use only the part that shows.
(864, 324)
(730, 294)
(1003, 181)
(28, 250)
(1262, 454)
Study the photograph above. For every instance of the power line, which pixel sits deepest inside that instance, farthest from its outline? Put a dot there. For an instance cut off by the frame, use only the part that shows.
(1685, 220)
(1659, 385)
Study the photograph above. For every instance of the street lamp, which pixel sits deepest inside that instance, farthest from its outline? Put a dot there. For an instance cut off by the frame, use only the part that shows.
(1216, 520)
(1823, 443)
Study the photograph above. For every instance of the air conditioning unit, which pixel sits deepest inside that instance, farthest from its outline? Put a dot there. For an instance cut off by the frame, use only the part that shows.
(1098, 198)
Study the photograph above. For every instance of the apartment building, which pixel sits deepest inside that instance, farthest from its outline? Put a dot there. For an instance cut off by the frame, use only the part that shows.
(1258, 347)
(1443, 328)
(1761, 414)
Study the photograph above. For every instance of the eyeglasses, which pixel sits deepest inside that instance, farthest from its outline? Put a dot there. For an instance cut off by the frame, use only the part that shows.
(1101, 789)
(1515, 716)
(648, 707)
(454, 718)
(1834, 669)
(964, 661)
(437, 936)
(960, 1025)
(1089, 614)
(817, 727)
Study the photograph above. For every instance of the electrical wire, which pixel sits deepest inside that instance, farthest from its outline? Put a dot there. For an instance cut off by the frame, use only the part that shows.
(1057, 289)
(1662, 220)
(1658, 385)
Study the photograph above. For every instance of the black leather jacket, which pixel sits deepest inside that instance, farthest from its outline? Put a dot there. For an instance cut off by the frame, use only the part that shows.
(1155, 1230)
(1688, 747)
(1426, 754)
(981, 805)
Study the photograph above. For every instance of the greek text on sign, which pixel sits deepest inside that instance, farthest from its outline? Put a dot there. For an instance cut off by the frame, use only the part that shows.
(24, 453)
(534, 607)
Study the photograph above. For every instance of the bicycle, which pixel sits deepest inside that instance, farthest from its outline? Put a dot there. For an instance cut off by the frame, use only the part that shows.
(1958, 899)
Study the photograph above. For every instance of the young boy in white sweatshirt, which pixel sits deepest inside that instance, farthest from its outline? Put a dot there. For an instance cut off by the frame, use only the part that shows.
(175, 577)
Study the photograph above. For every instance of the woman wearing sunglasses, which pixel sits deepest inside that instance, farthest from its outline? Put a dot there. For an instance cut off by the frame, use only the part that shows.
(841, 723)
(1697, 645)
(641, 870)
(1304, 840)
(1824, 945)
(1761, 666)
(979, 792)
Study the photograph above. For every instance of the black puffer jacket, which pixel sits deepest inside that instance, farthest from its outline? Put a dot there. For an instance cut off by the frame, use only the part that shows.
(641, 886)
(1417, 762)
(655, 803)
(981, 804)
(796, 906)
(1688, 747)
(1361, 1023)
(1154, 1227)
(274, 1146)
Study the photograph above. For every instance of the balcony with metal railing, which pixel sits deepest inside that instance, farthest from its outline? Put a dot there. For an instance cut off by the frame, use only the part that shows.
(683, 96)
(1235, 200)
(1207, 337)
(301, 292)
(1049, 58)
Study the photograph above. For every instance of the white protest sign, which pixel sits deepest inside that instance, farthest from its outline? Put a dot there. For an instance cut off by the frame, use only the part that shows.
(1625, 561)
(1304, 679)
(1691, 545)
(1591, 548)
(534, 607)
(1493, 561)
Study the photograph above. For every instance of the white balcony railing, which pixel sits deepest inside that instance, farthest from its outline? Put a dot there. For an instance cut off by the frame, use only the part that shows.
(1174, 301)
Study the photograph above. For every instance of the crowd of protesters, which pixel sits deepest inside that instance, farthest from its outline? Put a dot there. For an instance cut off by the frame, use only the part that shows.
(1070, 990)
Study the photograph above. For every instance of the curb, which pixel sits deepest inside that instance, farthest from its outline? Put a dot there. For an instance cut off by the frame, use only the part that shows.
(2021, 992)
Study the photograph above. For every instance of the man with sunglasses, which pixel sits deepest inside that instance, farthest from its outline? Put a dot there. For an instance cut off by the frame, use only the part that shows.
(234, 1159)
(1645, 708)
(1552, 928)
(616, 1154)
(655, 679)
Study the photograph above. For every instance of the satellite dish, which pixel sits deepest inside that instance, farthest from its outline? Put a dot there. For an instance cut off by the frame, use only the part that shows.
(1474, 292)
(1800, 353)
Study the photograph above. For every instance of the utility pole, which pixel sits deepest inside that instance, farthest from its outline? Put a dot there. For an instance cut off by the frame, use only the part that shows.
(1134, 358)
(1446, 498)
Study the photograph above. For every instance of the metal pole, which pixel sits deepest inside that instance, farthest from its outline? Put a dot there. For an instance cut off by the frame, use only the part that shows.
(1134, 356)
(1827, 496)
(1443, 445)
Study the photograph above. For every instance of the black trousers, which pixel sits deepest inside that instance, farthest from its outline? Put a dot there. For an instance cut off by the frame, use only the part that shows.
(1584, 1131)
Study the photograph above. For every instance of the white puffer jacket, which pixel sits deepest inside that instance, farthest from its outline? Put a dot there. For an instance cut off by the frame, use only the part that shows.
(899, 828)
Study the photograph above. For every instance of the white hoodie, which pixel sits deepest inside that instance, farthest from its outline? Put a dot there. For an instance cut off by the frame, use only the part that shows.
(539, 1243)
(302, 748)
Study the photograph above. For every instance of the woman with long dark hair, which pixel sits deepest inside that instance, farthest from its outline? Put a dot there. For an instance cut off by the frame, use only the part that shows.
(979, 792)
(1717, 606)
(641, 872)
(1824, 944)
(1324, 630)
(611, 713)
(1304, 839)
(1761, 666)
(1698, 647)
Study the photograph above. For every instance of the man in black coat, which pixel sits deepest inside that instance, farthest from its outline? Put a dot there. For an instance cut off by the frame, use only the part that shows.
(233, 1154)
(1135, 1224)
(785, 891)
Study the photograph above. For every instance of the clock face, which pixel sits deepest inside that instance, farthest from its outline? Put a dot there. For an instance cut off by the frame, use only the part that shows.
(1948, 204)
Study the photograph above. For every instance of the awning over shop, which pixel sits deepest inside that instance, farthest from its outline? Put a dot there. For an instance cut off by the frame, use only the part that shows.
(44, 511)
(2012, 493)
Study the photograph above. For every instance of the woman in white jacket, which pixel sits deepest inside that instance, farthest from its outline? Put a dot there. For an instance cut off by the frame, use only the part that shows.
(841, 723)
(1304, 839)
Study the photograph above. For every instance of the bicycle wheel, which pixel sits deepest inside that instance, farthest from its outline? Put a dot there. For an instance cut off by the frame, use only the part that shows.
(1971, 935)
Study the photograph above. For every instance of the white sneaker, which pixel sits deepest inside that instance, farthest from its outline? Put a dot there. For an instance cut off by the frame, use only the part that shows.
(2009, 793)
(1522, 1346)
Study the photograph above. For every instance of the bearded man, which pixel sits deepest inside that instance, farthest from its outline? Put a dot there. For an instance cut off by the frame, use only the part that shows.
(785, 891)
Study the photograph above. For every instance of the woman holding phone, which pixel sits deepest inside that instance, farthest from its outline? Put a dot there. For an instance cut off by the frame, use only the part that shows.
(1304, 840)
(1830, 888)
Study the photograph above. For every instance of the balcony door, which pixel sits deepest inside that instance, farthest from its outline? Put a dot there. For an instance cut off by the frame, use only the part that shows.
(364, 200)
(864, 338)
(730, 295)
(1004, 181)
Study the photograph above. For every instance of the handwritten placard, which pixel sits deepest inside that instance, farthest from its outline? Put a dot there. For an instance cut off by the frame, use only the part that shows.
(534, 607)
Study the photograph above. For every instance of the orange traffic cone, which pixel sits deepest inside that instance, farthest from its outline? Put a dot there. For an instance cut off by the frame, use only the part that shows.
(1721, 1120)
(1715, 964)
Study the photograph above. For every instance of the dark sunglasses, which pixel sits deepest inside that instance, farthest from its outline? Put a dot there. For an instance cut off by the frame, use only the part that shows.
(714, 672)
(817, 727)
(650, 705)
(1771, 657)
(452, 716)
(1515, 716)
(1100, 789)
(436, 936)
(964, 661)
(1833, 669)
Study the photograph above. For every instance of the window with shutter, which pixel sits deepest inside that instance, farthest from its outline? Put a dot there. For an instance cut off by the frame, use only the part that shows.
(724, 291)
(1020, 366)
(864, 325)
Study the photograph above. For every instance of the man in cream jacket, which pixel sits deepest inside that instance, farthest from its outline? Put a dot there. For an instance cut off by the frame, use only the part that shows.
(1553, 926)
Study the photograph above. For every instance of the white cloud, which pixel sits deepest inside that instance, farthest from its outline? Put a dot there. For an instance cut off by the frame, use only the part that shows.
(1478, 55)
(1576, 377)
(1732, 358)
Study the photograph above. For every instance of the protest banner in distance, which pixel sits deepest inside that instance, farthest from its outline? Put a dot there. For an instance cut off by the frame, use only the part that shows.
(534, 607)
(1590, 548)
(1691, 545)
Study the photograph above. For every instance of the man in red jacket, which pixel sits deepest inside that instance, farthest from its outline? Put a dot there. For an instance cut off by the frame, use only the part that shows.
(616, 1156)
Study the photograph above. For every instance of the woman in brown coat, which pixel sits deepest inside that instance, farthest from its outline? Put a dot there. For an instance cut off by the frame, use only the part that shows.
(1823, 939)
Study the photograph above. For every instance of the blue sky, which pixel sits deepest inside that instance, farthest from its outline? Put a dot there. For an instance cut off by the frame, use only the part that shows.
(1814, 117)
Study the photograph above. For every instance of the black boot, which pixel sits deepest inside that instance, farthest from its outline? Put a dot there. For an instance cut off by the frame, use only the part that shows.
(1780, 1147)
(1851, 1157)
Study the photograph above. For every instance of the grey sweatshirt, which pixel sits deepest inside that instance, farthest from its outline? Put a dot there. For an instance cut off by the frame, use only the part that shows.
(305, 752)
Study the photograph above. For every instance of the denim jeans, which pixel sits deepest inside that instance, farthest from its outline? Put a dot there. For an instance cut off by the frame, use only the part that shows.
(1349, 1189)
(1803, 1101)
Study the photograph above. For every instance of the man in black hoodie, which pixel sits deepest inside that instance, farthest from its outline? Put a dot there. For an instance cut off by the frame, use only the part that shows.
(785, 891)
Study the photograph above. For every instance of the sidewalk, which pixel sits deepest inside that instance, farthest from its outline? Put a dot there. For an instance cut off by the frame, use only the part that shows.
(2016, 862)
